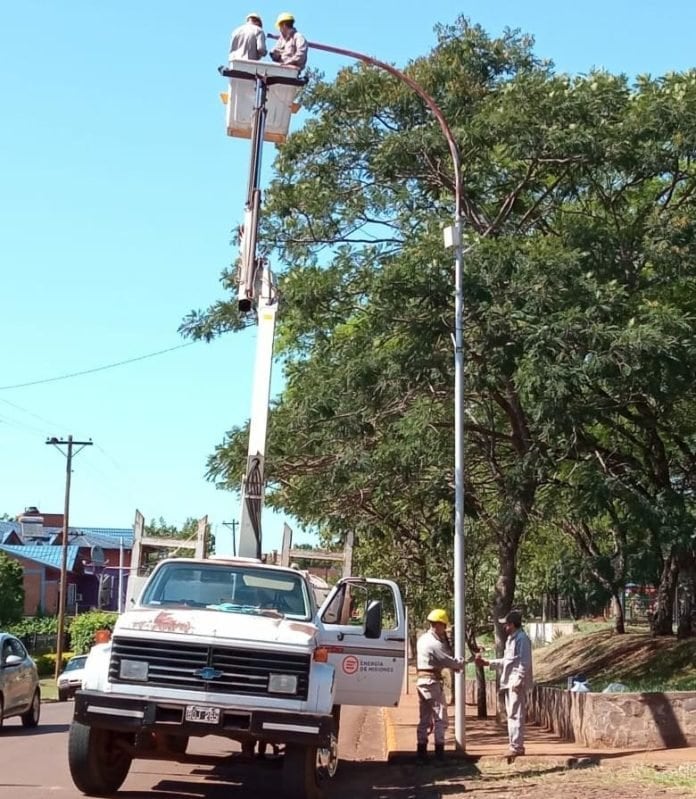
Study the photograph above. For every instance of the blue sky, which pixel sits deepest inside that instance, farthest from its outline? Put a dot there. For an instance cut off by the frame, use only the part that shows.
(118, 192)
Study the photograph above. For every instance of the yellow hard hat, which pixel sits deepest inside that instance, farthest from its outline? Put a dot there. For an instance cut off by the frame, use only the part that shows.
(438, 615)
(286, 16)
(255, 15)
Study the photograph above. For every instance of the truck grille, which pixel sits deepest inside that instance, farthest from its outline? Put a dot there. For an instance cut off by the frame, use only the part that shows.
(174, 665)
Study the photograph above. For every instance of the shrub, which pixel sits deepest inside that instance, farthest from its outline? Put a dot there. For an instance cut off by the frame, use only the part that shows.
(37, 625)
(85, 626)
(46, 664)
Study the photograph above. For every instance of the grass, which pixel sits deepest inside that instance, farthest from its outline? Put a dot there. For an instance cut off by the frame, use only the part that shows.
(637, 659)
(683, 776)
(49, 689)
(532, 778)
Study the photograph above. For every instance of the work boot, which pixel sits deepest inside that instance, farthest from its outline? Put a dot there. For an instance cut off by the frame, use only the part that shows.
(422, 754)
(440, 753)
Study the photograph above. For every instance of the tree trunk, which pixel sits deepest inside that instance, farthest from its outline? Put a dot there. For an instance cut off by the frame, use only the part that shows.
(481, 700)
(504, 588)
(661, 621)
(618, 613)
(687, 572)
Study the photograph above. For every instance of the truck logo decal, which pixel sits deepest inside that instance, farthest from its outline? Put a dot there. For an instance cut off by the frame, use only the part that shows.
(164, 622)
(208, 673)
(350, 664)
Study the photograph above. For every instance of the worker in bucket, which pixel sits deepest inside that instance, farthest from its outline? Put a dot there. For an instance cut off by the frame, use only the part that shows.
(248, 40)
(291, 47)
(433, 655)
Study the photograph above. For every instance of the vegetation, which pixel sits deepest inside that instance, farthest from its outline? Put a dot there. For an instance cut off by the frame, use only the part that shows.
(638, 660)
(11, 591)
(84, 627)
(36, 625)
(159, 528)
(579, 203)
(46, 664)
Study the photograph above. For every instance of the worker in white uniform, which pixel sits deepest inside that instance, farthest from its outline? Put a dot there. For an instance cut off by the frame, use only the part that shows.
(516, 678)
(248, 40)
(433, 655)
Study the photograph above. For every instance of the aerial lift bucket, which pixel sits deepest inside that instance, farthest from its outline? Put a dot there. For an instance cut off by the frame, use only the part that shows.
(283, 86)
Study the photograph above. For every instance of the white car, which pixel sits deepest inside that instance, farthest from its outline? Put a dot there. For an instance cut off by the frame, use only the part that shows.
(70, 679)
(19, 683)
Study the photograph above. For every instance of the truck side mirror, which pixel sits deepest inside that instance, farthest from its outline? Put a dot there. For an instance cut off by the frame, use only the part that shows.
(373, 620)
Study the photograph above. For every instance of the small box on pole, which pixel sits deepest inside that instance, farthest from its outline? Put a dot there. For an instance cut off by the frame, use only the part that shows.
(453, 236)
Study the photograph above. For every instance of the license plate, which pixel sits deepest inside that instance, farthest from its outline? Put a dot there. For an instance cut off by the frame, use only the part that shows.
(203, 715)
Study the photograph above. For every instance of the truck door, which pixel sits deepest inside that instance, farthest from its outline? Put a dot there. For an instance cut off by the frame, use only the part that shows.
(362, 626)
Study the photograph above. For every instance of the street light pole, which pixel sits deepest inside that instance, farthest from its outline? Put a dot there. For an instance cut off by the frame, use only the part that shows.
(453, 237)
(70, 443)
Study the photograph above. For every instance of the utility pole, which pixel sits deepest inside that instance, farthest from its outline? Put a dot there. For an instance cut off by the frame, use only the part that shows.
(70, 452)
(233, 524)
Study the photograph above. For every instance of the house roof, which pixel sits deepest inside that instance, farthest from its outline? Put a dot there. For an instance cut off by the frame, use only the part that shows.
(105, 537)
(8, 536)
(43, 554)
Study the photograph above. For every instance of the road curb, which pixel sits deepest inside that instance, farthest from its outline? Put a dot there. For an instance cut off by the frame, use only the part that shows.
(389, 733)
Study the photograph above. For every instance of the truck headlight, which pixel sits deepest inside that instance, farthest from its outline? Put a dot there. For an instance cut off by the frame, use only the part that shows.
(282, 684)
(134, 670)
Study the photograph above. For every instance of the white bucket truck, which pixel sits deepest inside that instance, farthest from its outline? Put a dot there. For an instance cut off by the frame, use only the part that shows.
(233, 647)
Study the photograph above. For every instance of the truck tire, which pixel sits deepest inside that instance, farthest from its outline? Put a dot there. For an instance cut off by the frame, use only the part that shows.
(303, 778)
(98, 765)
(30, 718)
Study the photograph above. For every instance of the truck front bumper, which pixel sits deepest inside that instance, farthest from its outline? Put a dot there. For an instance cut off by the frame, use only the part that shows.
(130, 714)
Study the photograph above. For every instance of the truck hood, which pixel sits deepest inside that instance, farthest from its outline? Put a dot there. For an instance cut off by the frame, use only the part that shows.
(218, 624)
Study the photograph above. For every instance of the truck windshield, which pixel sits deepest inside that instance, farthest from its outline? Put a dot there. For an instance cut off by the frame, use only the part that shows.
(229, 588)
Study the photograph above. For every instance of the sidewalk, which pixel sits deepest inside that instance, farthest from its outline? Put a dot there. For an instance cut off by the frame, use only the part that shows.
(486, 738)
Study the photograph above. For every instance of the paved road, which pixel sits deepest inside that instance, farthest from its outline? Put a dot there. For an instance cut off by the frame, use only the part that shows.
(33, 764)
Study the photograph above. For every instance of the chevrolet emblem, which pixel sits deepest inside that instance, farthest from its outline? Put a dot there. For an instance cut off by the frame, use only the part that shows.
(208, 673)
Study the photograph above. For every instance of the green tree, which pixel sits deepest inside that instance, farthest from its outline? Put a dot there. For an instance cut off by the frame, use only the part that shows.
(159, 528)
(578, 198)
(11, 591)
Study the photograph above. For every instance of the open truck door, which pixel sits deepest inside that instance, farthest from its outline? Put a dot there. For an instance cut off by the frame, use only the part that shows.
(362, 625)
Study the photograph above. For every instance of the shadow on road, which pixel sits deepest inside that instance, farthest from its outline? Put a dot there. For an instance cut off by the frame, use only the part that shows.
(235, 779)
(10, 731)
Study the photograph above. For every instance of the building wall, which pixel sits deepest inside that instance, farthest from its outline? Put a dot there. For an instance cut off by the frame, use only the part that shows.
(33, 589)
(41, 587)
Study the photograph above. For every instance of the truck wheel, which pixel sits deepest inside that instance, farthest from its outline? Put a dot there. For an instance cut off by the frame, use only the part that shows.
(31, 717)
(303, 776)
(98, 765)
(62, 696)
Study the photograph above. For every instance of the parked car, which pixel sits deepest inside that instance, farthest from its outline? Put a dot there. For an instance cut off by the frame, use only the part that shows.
(20, 694)
(70, 679)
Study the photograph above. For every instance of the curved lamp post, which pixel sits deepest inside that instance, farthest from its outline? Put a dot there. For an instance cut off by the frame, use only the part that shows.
(453, 238)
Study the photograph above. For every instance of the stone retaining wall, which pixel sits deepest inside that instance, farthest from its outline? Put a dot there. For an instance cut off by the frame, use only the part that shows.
(491, 695)
(626, 720)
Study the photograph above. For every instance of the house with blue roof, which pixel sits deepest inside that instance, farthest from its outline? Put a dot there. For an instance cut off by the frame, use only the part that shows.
(98, 562)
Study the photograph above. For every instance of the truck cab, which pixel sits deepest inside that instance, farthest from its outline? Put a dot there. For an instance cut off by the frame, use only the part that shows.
(236, 648)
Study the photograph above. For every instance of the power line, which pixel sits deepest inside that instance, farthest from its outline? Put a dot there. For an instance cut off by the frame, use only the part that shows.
(97, 368)
(31, 413)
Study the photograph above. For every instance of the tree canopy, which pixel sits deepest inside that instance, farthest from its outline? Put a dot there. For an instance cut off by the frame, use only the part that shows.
(11, 591)
(579, 318)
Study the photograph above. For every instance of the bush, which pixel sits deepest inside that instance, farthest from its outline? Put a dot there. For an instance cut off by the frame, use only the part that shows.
(46, 664)
(37, 625)
(85, 626)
